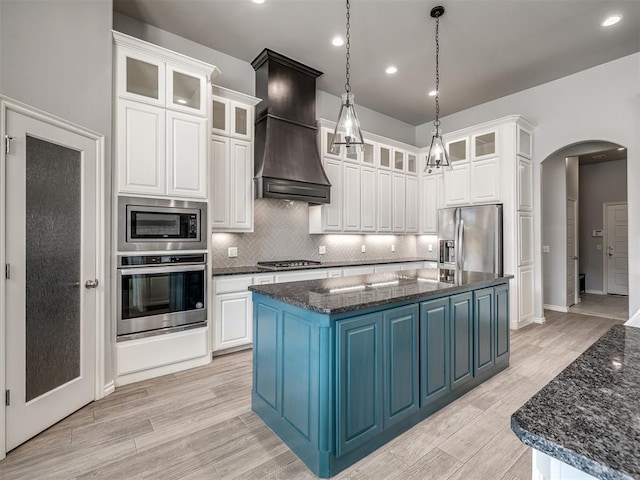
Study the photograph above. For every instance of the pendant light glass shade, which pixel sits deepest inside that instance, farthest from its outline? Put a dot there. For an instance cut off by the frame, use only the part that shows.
(347, 133)
(438, 156)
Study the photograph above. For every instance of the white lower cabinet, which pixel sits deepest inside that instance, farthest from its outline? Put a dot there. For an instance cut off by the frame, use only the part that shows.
(390, 267)
(412, 265)
(234, 323)
(301, 275)
(526, 293)
(360, 270)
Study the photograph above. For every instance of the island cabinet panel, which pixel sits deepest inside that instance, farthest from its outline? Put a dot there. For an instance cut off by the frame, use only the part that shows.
(434, 350)
(298, 379)
(502, 322)
(461, 339)
(484, 330)
(401, 380)
(359, 373)
(265, 354)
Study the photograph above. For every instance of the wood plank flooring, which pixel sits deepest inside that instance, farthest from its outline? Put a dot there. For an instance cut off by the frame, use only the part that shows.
(198, 425)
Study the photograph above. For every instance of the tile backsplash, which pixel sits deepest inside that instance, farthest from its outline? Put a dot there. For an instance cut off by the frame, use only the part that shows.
(281, 232)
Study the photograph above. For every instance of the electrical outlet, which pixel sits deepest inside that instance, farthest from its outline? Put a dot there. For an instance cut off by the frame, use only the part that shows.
(363, 249)
(393, 248)
(599, 246)
(232, 252)
(322, 250)
(430, 248)
(545, 249)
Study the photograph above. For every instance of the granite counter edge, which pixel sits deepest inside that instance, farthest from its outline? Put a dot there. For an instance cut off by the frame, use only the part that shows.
(454, 289)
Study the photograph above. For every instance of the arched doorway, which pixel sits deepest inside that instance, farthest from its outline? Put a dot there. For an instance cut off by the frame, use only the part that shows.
(584, 230)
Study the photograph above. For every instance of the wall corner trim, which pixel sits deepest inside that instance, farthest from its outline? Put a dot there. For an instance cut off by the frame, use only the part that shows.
(634, 321)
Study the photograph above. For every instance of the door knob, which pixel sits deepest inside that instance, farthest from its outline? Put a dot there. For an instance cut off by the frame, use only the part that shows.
(91, 283)
(610, 254)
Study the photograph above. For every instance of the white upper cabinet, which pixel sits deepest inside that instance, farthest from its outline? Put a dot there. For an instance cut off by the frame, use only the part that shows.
(458, 150)
(186, 92)
(140, 77)
(457, 184)
(232, 113)
(186, 155)
(232, 160)
(375, 190)
(140, 148)
(525, 142)
(485, 181)
(161, 104)
(485, 145)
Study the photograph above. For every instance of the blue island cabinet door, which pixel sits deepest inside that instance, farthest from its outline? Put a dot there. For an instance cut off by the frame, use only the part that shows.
(401, 381)
(484, 329)
(502, 322)
(359, 375)
(434, 350)
(461, 339)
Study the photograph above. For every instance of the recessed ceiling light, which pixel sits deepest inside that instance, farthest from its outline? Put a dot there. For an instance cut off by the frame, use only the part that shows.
(391, 70)
(337, 41)
(611, 20)
(433, 93)
(621, 148)
(259, 1)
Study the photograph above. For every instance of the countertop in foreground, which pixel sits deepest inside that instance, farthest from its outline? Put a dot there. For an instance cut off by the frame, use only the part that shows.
(589, 415)
(346, 294)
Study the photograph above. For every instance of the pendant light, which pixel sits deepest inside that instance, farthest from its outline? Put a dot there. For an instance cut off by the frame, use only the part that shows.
(438, 156)
(347, 133)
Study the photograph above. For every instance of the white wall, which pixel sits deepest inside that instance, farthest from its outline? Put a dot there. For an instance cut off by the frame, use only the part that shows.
(239, 75)
(599, 183)
(601, 103)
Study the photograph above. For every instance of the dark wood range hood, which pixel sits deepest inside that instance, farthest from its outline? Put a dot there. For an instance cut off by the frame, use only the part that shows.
(287, 163)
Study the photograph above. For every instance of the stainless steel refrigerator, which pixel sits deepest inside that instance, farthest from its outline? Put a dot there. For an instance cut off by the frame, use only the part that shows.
(470, 238)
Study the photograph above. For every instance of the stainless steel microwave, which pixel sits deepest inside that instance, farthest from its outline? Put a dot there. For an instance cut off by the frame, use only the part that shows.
(151, 224)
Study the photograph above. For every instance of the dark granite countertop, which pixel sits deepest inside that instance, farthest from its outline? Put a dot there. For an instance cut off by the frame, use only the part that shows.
(345, 294)
(248, 269)
(589, 415)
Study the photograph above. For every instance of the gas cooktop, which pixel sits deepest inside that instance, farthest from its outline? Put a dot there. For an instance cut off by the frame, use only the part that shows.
(279, 264)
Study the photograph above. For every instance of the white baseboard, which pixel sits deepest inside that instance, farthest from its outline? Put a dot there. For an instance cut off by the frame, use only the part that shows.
(109, 388)
(634, 321)
(556, 308)
(595, 292)
(539, 320)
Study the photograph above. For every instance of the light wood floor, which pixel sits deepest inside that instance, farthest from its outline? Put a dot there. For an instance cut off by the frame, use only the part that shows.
(198, 425)
(610, 306)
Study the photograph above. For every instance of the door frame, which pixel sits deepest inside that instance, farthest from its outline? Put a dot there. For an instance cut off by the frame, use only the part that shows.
(8, 104)
(605, 262)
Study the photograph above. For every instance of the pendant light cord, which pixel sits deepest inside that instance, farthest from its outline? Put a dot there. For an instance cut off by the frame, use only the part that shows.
(347, 86)
(436, 123)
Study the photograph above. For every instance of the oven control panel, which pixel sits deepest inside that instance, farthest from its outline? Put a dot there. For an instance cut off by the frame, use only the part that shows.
(146, 260)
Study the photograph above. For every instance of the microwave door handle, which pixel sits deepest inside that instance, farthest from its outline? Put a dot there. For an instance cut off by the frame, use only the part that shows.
(152, 270)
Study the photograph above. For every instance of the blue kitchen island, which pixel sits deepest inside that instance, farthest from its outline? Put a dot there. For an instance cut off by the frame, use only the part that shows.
(343, 365)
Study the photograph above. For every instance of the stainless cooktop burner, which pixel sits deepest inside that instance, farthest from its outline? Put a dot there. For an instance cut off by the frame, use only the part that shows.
(288, 264)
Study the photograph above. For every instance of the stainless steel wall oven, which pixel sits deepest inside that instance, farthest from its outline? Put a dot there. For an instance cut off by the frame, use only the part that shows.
(160, 294)
(150, 224)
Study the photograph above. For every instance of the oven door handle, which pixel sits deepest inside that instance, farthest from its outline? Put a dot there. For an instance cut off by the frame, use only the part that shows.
(160, 270)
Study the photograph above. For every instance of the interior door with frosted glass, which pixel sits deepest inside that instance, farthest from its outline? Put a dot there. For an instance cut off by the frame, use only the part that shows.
(50, 298)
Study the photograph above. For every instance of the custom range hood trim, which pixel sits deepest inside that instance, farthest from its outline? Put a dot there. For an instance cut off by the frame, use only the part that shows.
(287, 162)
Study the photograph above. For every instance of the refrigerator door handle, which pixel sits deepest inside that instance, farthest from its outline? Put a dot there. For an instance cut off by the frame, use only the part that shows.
(460, 240)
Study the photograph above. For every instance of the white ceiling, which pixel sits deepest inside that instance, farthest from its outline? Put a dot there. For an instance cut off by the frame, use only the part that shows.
(489, 48)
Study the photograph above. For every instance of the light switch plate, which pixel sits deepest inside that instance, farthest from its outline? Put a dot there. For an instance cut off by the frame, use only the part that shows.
(322, 250)
(430, 248)
(363, 249)
(232, 252)
(545, 249)
(393, 248)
